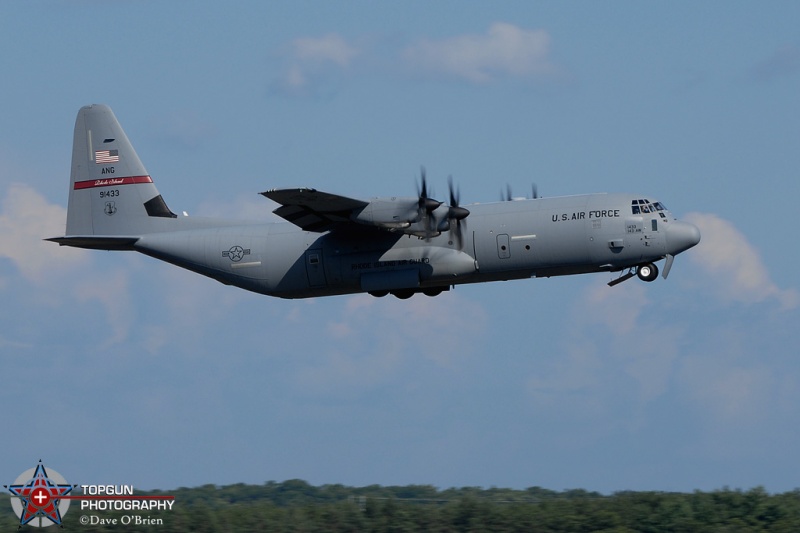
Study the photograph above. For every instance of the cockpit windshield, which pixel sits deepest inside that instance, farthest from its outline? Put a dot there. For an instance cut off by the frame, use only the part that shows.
(643, 205)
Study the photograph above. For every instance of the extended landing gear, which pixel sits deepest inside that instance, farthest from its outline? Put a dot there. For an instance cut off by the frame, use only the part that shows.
(647, 272)
(404, 294)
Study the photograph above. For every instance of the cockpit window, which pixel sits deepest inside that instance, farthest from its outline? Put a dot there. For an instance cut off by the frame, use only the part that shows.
(643, 205)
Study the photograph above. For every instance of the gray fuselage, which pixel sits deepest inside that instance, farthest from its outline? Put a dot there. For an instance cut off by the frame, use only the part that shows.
(332, 244)
(503, 241)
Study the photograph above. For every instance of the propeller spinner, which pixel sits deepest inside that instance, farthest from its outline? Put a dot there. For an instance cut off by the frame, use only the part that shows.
(434, 223)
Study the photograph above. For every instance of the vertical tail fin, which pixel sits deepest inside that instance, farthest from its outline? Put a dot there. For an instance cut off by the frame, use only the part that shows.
(111, 192)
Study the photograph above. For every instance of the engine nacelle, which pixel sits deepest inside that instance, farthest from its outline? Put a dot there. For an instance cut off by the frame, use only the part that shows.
(395, 212)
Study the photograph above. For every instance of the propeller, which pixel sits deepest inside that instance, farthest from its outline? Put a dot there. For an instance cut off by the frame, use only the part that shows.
(426, 205)
(508, 196)
(455, 214)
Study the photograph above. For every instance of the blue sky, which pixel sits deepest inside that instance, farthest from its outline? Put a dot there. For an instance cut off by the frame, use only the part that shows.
(120, 369)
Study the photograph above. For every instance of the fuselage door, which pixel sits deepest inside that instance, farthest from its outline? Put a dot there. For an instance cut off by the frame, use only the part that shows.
(314, 268)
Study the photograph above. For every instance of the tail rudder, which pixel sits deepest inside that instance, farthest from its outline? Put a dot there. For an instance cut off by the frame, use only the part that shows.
(111, 192)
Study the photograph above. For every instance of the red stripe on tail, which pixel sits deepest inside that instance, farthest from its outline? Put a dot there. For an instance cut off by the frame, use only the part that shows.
(111, 182)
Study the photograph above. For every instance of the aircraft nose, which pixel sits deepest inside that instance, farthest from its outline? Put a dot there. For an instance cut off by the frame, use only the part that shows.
(681, 236)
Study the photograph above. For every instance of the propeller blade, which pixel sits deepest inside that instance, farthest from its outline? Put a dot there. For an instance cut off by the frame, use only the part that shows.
(457, 235)
(454, 193)
(426, 205)
(425, 202)
(506, 196)
(455, 214)
(534, 191)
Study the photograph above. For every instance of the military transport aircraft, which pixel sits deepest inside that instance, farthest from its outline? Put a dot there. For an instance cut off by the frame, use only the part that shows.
(332, 244)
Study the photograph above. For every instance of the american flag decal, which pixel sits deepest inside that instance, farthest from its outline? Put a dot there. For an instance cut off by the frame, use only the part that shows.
(106, 156)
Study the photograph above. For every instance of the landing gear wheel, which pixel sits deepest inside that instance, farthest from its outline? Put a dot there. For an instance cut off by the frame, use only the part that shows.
(647, 272)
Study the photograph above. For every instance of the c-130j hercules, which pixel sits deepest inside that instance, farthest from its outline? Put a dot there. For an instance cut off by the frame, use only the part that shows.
(333, 245)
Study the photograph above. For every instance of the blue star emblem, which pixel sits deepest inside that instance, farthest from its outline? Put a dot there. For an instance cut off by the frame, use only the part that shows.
(40, 496)
(236, 253)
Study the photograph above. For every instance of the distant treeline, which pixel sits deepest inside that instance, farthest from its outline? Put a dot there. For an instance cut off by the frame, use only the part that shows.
(296, 506)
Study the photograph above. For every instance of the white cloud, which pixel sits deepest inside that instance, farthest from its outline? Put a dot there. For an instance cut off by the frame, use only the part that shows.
(734, 265)
(62, 275)
(617, 310)
(114, 295)
(445, 325)
(624, 350)
(328, 48)
(728, 392)
(611, 347)
(782, 63)
(572, 382)
(504, 51)
(195, 301)
(295, 78)
(646, 351)
(25, 220)
(372, 340)
(614, 336)
(313, 60)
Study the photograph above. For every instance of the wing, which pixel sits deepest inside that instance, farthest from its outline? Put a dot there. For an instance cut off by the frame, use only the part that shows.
(317, 211)
(313, 210)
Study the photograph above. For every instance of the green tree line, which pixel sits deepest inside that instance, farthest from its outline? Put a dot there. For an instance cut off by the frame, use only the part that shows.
(296, 506)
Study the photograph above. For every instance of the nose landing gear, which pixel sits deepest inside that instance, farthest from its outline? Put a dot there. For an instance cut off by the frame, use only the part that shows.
(647, 272)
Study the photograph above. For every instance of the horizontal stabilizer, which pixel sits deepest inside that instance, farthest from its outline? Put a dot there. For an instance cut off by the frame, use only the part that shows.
(96, 242)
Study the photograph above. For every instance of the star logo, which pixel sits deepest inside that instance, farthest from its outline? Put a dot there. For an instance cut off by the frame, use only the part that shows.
(38, 496)
(236, 253)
